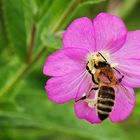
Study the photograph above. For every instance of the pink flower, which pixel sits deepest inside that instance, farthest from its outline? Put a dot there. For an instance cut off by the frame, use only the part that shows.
(82, 41)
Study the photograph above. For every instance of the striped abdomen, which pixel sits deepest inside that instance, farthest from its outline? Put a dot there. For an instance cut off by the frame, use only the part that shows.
(105, 102)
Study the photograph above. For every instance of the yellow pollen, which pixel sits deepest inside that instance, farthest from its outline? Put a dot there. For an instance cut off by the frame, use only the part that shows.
(107, 55)
(113, 65)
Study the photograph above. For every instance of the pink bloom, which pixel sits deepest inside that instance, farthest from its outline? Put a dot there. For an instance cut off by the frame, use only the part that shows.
(84, 38)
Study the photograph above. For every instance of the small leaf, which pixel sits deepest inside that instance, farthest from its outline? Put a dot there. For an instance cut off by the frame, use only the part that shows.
(15, 25)
(51, 41)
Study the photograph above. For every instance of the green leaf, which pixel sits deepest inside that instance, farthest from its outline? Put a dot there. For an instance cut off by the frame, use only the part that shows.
(15, 25)
(132, 20)
(51, 41)
(3, 35)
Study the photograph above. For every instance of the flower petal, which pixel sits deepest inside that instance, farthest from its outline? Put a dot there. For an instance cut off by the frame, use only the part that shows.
(64, 88)
(131, 48)
(131, 81)
(110, 32)
(65, 61)
(122, 107)
(80, 34)
(128, 59)
(83, 111)
(130, 68)
(84, 88)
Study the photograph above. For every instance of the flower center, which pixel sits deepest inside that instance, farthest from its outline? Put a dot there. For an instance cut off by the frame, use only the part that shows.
(95, 59)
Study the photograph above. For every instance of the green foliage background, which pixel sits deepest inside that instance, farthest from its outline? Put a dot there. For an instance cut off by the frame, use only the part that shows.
(30, 30)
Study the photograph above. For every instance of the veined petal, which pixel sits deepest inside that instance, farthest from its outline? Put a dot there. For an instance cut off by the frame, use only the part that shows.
(80, 34)
(110, 32)
(131, 81)
(83, 111)
(122, 107)
(64, 88)
(131, 48)
(84, 88)
(130, 68)
(65, 61)
(128, 58)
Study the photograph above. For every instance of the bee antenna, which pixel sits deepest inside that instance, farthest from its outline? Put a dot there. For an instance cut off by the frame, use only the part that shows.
(120, 74)
(102, 56)
(117, 70)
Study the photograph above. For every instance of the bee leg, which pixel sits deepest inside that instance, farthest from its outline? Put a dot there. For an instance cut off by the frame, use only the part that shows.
(83, 98)
(94, 88)
(120, 79)
(86, 96)
(93, 80)
(91, 102)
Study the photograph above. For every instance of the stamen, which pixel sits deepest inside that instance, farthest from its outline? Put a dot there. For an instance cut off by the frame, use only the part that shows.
(107, 55)
(113, 65)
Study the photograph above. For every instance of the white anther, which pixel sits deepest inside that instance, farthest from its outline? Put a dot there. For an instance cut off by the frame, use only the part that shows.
(107, 55)
(113, 65)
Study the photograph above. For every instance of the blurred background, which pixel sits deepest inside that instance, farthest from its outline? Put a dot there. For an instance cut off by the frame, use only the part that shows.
(30, 30)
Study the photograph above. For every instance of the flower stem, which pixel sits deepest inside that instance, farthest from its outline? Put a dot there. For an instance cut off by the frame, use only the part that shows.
(31, 44)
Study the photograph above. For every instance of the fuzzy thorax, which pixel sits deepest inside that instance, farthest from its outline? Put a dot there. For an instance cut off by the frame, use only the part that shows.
(94, 59)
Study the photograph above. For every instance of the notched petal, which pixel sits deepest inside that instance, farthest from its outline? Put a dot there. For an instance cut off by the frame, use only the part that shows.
(80, 34)
(65, 61)
(83, 111)
(110, 32)
(64, 88)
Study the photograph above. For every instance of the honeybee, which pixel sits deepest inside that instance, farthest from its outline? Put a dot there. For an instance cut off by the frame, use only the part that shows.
(105, 79)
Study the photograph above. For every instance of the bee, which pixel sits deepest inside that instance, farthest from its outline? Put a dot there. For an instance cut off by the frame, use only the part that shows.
(105, 79)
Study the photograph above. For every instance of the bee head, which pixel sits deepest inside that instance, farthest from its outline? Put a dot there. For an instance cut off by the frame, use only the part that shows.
(101, 64)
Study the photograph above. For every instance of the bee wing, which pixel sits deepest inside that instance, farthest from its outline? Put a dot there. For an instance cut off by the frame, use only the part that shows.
(129, 96)
(124, 103)
(127, 93)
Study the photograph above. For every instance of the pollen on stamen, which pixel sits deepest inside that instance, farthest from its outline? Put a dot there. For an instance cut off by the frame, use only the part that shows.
(114, 65)
(107, 55)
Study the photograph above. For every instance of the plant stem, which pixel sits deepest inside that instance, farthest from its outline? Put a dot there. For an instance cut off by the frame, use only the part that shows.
(31, 44)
